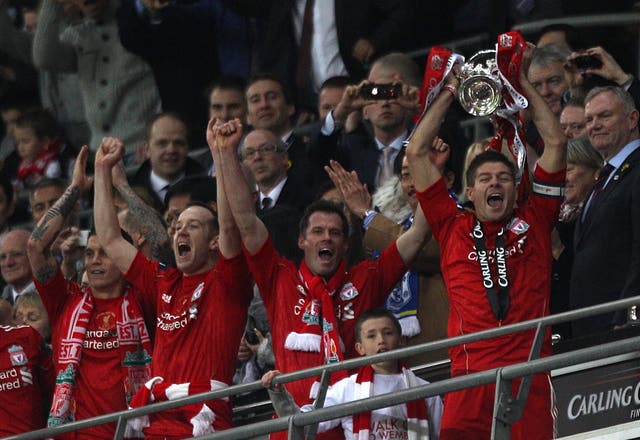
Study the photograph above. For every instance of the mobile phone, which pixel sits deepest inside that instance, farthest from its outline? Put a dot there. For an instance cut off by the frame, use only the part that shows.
(381, 91)
(83, 238)
(585, 62)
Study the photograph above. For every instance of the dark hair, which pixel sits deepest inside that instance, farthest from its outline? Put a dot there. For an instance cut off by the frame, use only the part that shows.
(48, 182)
(571, 34)
(336, 82)
(198, 188)
(177, 116)
(323, 206)
(214, 222)
(227, 82)
(268, 76)
(484, 157)
(374, 313)
(41, 121)
(125, 235)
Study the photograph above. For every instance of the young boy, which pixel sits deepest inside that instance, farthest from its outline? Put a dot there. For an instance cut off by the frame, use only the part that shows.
(38, 145)
(377, 331)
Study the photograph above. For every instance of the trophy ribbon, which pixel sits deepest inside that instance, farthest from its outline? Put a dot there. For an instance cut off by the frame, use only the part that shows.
(507, 120)
(439, 64)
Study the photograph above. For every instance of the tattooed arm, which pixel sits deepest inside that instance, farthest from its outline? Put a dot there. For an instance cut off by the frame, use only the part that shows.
(143, 219)
(121, 252)
(43, 264)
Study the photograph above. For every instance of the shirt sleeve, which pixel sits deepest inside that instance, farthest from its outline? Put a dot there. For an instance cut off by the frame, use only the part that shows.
(142, 274)
(547, 192)
(53, 294)
(438, 207)
(234, 274)
(264, 265)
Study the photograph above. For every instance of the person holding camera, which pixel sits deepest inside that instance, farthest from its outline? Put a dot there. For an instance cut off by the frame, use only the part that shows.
(386, 100)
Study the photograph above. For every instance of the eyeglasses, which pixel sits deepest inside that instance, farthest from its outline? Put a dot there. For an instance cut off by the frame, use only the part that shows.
(250, 153)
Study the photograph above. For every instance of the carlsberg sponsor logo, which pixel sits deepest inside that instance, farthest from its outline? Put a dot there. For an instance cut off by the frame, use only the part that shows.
(582, 405)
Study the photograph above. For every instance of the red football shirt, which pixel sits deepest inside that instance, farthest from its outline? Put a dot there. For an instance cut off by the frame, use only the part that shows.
(194, 346)
(367, 285)
(26, 380)
(99, 381)
(528, 248)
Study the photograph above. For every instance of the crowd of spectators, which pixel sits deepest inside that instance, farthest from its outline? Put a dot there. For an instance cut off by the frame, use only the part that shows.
(123, 90)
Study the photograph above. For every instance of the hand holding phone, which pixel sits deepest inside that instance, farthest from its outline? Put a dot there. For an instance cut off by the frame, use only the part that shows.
(374, 91)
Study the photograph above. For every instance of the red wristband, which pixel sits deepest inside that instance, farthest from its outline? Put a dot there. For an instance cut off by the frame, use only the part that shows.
(449, 88)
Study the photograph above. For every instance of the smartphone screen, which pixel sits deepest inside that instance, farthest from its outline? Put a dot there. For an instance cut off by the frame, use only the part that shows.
(381, 91)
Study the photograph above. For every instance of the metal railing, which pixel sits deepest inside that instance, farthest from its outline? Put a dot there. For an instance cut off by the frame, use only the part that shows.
(444, 386)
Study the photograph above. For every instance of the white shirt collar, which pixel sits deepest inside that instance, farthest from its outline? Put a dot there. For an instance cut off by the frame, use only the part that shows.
(622, 155)
(396, 144)
(15, 293)
(274, 193)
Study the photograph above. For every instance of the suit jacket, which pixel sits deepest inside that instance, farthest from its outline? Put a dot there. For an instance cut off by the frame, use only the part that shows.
(607, 249)
(355, 151)
(383, 22)
(142, 177)
(433, 304)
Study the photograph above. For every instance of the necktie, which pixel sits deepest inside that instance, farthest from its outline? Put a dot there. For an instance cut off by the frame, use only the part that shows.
(266, 203)
(304, 51)
(601, 180)
(386, 171)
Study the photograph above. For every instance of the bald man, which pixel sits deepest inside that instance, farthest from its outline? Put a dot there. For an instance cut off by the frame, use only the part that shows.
(14, 264)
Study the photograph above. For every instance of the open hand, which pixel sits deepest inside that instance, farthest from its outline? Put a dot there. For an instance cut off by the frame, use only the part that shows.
(79, 177)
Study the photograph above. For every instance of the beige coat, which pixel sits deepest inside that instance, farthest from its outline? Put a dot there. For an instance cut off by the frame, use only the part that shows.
(433, 304)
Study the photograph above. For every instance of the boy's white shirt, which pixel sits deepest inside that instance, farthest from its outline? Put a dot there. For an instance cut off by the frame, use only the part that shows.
(386, 423)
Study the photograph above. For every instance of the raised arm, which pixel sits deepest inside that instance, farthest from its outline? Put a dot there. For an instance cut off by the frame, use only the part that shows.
(554, 157)
(49, 53)
(357, 198)
(222, 136)
(43, 264)
(252, 231)
(117, 248)
(154, 230)
(423, 170)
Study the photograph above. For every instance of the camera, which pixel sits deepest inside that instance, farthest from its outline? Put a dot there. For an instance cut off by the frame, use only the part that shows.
(381, 91)
(585, 62)
(83, 238)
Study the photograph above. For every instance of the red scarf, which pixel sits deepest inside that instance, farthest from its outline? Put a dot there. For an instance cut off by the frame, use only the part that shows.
(199, 415)
(319, 304)
(439, 64)
(134, 351)
(507, 121)
(417, 426)
(39, 166)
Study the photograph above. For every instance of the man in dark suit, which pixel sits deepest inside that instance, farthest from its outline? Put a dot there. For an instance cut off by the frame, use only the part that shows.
(270, 106)
(168, 142)
(363, 151)
(266, 156)
(607, 237)
(346, 35)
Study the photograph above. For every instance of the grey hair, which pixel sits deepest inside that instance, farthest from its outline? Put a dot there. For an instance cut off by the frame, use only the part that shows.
(551, 53)
(627, 101)
(581, 152)
(403, 64)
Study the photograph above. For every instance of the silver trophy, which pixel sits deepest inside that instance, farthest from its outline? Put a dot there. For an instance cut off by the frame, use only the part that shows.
(480, 88)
